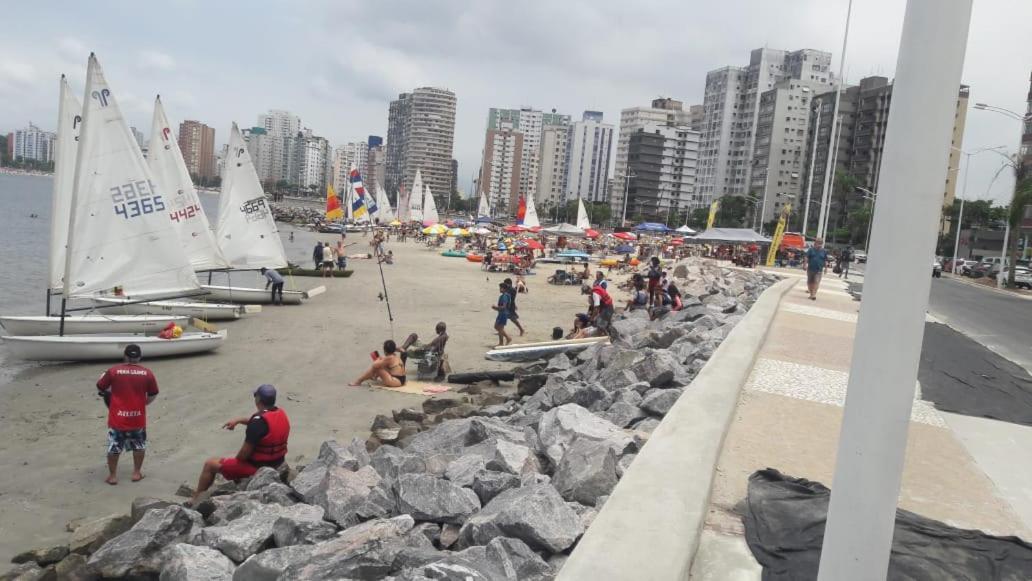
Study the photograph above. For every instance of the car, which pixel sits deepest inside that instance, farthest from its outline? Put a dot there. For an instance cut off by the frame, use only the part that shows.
(1022, 277)
(936, 269)
(860, 257)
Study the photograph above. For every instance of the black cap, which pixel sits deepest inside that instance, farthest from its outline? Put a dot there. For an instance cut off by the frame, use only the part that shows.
(132, 351)
(266, 393)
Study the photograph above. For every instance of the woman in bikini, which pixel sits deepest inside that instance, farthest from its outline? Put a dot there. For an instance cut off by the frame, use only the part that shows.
(389, 369)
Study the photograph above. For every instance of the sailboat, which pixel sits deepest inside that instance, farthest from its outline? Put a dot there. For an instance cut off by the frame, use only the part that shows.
(383, 205)
(415, 213)
(68, 124)
(119, 237)
(430, 216)
(582, 215)
(168, 167)
(530, 217)
(484, 209)
(247, 232)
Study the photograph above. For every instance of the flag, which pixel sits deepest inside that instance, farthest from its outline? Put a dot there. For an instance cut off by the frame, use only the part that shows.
(358, 206)
(779, 234)
(521, 211)
(333, 209)
(712, 213)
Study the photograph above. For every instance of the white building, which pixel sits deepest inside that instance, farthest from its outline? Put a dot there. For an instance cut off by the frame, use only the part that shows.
(588, 149)
(531, 123)
(663, 162)
(552, 168)
(313, 162)
(731, 111)
(259, 147)
(282, 128)
(664, 112)
(347, 156)
(500, 169)
(35, 144)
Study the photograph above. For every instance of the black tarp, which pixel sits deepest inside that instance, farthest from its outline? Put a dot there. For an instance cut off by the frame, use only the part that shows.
(784, 527)
(961, 376)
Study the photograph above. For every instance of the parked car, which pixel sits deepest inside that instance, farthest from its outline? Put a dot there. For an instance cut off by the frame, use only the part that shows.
(936, 269)
(965, 266)
(860, 257)
(1022, 277)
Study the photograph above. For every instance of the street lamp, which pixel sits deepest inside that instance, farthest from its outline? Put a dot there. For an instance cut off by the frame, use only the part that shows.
(873, 197)
(627, 186)
(1006, 231)
(963, 193)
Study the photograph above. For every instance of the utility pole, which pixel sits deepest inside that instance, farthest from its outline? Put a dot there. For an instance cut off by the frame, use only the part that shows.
(829, 172)
(813, 163)
(887, 347)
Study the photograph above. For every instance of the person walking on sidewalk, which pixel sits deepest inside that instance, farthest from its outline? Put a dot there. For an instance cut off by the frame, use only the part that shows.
(843, 262)
(816, 260)
(127, 389)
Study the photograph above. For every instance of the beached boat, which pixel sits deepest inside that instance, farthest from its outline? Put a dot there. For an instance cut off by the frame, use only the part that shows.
(545, 350)
(122, 240)
(198, 309)
(253, 296)
(81, 324)
(109, 347)
(455, 253)
(475, 257)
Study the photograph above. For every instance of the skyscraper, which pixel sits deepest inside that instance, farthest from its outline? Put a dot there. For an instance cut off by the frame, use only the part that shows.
(347, 156)
(531, 123)
(588, 149)
(314, 162)
(373, 171)
(197, 142)
(501, 168)
(283, 129)
(664, 112)
(663, 161)
(731, 109)
(33, 143)
(420, 136)
(552, 168)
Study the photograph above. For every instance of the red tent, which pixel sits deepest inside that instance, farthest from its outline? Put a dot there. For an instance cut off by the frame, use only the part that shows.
(625, 236)
(592, 233)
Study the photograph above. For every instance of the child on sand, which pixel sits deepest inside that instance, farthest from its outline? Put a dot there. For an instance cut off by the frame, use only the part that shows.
(502, 307)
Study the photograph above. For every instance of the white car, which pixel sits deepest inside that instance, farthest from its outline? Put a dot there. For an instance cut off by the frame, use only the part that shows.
(860, 257)
(1022, 277)
(936, 269)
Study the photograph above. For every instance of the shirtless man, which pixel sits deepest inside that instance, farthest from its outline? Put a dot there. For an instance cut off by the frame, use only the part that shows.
(389, 369)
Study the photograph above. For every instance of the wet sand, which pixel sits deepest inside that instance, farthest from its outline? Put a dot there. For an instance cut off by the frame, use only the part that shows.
(53, 428)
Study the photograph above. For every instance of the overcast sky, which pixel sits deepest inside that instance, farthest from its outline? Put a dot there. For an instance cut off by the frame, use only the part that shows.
(337, 64)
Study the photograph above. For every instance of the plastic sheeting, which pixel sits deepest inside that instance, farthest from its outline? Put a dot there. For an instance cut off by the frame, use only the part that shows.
(784, 527)
(729, 236)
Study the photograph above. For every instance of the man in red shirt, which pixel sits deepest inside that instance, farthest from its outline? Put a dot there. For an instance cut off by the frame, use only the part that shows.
(127, 389)
(265, 443)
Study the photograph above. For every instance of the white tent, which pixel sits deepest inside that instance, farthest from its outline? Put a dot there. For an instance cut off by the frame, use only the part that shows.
(685, 230)
(565, 230)
(730, 236)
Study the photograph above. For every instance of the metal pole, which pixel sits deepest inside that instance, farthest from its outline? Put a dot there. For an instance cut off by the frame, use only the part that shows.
(627, 189)
(829, 172)
(1003, 253)
(48, 303)
(813, 163)
(960, 218)
(883, 374)
(834, 164)
(763, 211)
(870, 224)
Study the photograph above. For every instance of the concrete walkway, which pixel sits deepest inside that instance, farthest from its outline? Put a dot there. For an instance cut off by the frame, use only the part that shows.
(789, 417)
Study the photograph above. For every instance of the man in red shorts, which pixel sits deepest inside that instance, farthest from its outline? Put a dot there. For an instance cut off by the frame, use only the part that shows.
(265, 443)
(127, 389)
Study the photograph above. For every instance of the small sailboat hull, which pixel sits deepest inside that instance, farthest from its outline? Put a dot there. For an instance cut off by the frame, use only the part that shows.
(545, 350)
(108, 347)
(251, 296)
(86, 324)
(200, 310)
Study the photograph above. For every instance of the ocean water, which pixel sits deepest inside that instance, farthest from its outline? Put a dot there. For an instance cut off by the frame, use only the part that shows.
(24, 251)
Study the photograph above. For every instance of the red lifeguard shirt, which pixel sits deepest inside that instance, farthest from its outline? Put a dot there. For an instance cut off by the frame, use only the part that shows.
(130, 385)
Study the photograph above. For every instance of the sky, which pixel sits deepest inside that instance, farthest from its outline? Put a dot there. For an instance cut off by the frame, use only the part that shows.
(337, 64)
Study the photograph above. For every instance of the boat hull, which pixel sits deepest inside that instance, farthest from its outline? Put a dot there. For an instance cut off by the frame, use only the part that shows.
(108, 347)
(536, 351)
(200, 310)
(250, 296)
(89, 324)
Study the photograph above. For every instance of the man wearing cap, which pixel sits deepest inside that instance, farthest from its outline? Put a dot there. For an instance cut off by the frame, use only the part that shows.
(265, 443)
(127, 389)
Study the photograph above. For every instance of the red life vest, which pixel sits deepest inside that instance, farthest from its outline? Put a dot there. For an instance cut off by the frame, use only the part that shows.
(273, 447)
(607, 301)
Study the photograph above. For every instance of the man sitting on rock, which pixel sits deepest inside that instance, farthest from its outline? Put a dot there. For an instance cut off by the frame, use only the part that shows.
(265, 443)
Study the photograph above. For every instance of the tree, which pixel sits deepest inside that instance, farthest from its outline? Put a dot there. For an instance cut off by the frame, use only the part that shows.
(732, 213)
(1022, 198)
(697, 218)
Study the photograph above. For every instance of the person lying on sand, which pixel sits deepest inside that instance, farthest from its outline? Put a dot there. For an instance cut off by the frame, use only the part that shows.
(389, 369)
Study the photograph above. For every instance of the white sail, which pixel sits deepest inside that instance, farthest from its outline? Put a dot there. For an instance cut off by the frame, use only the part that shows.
(69, 119)
(183, 206)
(530, 218)
(416, 199)
(246, 232)
(430, 208)
(485, 208)
(119, 233)
(384, 211)
(582, 215)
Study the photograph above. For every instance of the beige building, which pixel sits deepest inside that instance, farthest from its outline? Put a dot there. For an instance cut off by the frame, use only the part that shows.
(501, 169)
(197, 142)
(420, 136)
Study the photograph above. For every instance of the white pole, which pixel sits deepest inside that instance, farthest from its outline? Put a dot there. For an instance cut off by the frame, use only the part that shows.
(872, 444)
(834, 164)
(960, 217)
(1003, 253)
(829, 171)
(813, 163)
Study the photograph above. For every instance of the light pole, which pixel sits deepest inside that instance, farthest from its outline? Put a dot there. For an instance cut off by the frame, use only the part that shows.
(963, 196)
(813, 163)
(1006, 232)
(873, 197)
(829, 172)
(627, 186)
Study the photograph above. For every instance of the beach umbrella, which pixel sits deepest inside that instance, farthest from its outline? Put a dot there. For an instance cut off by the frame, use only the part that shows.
(514, 229)
(676, 242)
(592, 234)
(458, 232)
(530, 245)
(480, 230)
(435, 229)
(624, 236)
(651, 227)
(624, 249)
(395, 223)
(534, 229)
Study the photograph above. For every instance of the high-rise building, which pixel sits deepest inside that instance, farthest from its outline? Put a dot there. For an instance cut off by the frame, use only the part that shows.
(454, 189)
(284, 135)
(663, 161)
(314, 162)
(864, 115)
(197, 142)
(347, 156)
(731, 110)
(530, 122)
(420, 135)
(33, 143)
(259, 147)
(664, 112)
(552, 169)
(500, 170)
(588, 149)
(375, 165)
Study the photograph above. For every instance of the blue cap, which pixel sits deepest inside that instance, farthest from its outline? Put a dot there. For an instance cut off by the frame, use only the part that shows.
(266, 393)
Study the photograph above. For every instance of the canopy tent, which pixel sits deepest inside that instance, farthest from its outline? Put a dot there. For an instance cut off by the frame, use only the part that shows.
(624, 236)
(651, 227)
(729, 236)
(684, 230)
(624, 249)
(564, 230)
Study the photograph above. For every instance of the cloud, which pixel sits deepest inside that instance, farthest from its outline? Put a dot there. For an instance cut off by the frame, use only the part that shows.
(150, 60)
(72, 49)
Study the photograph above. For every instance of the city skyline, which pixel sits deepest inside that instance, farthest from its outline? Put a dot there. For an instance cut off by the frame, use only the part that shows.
(603, 56)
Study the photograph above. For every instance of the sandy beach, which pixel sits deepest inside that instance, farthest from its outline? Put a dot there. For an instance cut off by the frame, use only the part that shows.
(52, 424)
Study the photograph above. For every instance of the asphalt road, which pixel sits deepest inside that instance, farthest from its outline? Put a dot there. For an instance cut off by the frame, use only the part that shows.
(1000, 322)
